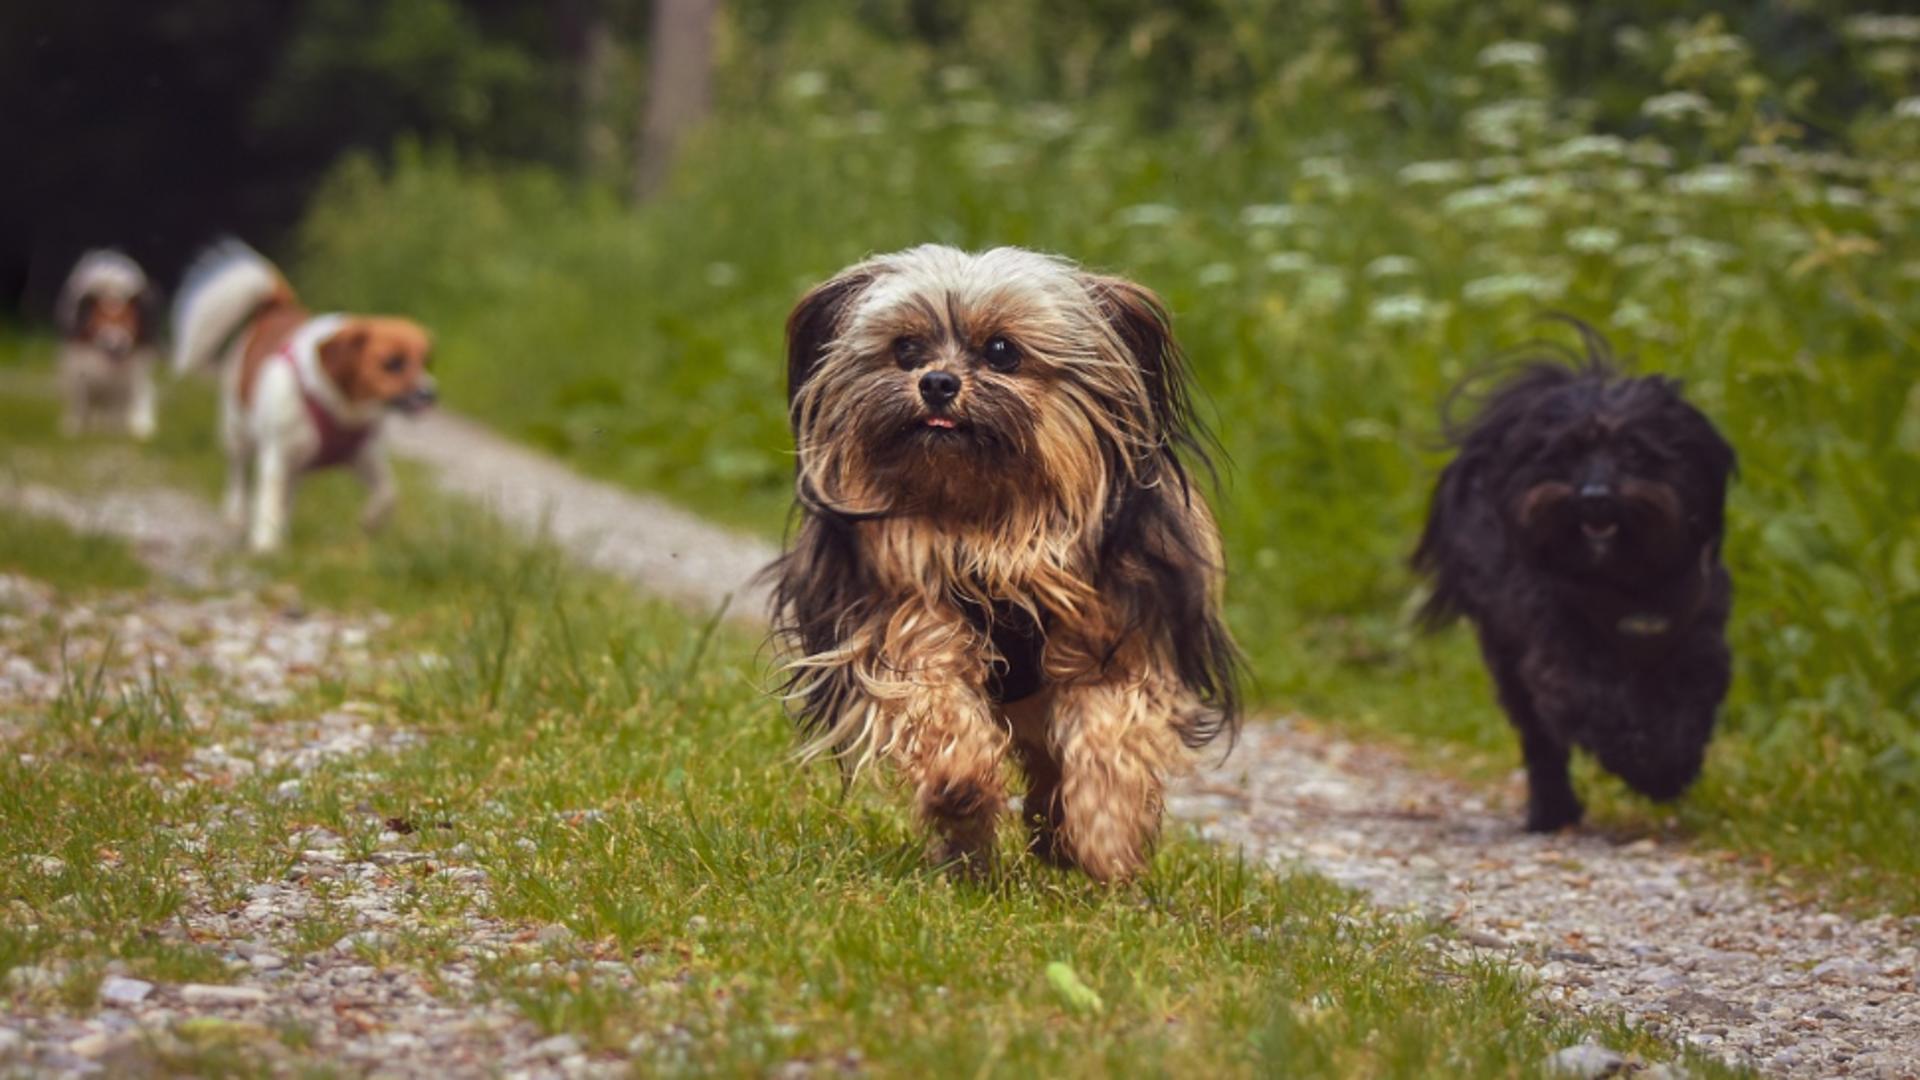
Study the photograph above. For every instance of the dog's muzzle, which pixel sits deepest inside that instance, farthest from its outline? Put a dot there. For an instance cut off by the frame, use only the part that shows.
(415, 400)
(1599, 512)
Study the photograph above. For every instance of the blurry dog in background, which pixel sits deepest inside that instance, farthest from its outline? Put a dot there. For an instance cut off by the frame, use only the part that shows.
(999, 550)
(298, 391)
(109, 321)
(1579, 530)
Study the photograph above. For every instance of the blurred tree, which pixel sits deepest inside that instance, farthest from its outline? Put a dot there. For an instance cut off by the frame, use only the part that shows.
(679, 85)
(586, 30)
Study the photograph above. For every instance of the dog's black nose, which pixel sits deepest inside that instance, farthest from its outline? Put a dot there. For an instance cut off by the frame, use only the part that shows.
(1595, 503)
(939, 387)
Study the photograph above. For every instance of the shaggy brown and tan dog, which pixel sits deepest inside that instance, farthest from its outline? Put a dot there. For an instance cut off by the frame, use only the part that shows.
(999, 551)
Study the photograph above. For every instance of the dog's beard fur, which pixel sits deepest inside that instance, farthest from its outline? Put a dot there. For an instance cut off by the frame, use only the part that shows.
(1579, 529)
(1040, 523)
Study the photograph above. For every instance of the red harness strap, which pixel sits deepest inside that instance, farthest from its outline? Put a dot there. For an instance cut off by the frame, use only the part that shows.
(339, 442)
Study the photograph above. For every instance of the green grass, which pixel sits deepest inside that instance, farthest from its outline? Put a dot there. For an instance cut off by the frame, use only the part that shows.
(616, 770)
(1331, 281)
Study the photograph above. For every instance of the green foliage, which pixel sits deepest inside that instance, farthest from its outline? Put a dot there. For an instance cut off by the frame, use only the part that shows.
(1330, 283)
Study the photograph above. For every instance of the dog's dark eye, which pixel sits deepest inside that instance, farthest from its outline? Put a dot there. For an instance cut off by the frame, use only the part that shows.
(908, 353)
(396, 363)
(1000, 354)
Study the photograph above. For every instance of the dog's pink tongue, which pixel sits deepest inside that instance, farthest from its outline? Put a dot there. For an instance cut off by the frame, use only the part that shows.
(941, 422)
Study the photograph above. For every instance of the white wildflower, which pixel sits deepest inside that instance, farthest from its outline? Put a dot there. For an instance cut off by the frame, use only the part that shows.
(1640, 255)
(1400, 310)
(1149, 214)
(1216, 273)
(1504, 125)
(1473, 199)
(1436, 172)
(1584, 148)
(1050, 121)
(1387, 266)
(869, 122)
(1520, 218)
(805, 85)
(1513, 54)
(1713, 180)
(1268, 216)
(1499, 288)
(1289, 262)
(1594, 240)
(1636, 317)
(721, 275)
(1907, 109)
(1850, 198)
(1709, 47)
(1878, 28)
(1331, 173)
(1678, 105)
(1700, 254)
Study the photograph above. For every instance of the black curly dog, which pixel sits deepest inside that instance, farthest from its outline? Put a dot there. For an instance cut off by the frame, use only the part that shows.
(1579, 530)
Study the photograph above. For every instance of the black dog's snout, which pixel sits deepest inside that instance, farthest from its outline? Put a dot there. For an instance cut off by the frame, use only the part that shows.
(939, 387)
(1596, 502)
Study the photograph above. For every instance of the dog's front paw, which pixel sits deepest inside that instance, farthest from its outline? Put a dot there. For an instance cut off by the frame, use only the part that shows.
(1552, 815)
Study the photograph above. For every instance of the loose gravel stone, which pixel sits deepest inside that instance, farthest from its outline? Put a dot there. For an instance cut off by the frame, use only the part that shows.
(202, 994)
(1586, 1061)
(118, 990)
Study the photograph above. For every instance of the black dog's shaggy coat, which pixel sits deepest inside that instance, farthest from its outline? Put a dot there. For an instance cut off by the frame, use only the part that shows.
(1579, 530)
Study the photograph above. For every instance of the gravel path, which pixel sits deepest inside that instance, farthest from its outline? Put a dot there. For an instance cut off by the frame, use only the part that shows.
(646, 540)
(1650, 929)
(238, 659)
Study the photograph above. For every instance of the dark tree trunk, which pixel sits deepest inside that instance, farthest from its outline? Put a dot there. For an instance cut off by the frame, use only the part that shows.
(679, 86)
(587, 38)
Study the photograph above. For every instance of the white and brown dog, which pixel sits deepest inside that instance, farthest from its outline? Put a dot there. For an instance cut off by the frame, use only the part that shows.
(298, 391)
(108, 323)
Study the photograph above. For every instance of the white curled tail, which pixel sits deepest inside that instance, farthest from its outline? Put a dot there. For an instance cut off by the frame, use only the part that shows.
(225, 285)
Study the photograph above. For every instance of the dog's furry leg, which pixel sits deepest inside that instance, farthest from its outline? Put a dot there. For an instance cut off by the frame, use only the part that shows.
(140, 408)
(271, 493)
(937, 726)
(950, 750)
(1116, 745)
(1551, 803)
(233, 502)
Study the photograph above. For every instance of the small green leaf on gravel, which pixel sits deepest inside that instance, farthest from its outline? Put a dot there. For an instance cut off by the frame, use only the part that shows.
(1077, 995)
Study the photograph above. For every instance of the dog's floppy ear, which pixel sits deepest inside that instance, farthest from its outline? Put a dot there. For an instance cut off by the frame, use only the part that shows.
(1140, 320)
(814, 322)
(77, 315)
(340, 356)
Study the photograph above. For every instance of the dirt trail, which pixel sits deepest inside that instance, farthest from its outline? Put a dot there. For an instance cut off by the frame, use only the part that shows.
(644, 539)
(1652, 929)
